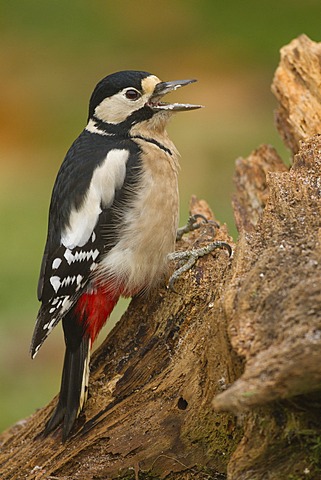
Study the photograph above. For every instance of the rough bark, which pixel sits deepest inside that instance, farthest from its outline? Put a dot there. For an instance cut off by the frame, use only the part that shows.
(296, 86)
(151, 387)
(272, 297)
(222, 379)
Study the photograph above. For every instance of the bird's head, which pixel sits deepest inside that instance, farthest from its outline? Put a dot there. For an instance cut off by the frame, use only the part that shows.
(124, 99)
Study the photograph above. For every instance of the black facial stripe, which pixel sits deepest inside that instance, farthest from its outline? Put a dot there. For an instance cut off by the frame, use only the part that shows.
(154, 142)
(122, 128)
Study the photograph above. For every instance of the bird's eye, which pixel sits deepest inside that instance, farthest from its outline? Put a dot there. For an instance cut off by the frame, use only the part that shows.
(132, 94)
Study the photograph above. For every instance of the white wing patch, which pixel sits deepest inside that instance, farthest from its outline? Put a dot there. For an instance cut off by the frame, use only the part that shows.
(58, 283)
(80, 256)
(108, 177)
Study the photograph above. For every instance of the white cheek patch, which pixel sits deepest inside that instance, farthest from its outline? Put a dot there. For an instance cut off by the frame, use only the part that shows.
(117, 108)
(108, 177)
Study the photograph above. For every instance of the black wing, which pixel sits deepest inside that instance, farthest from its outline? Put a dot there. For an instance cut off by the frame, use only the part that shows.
(66, 270)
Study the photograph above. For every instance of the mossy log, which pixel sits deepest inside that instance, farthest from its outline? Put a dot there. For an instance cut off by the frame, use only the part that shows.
(222, 378)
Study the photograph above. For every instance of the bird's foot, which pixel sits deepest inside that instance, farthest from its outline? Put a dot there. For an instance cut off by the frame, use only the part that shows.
(191, 256)
(193, 224)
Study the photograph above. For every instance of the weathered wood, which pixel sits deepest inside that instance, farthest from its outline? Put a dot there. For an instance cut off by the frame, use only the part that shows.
(273, 298)
(274, 319)
(241, 337)
(151, 387)
(297, 87)
(273, 309)
(252, 186)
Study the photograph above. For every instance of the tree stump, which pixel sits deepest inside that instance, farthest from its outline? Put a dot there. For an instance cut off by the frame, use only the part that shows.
(221, 379)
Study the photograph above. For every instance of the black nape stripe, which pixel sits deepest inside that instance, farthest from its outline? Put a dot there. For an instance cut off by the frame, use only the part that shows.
(108, 128)
(154, 142)
(120, 129)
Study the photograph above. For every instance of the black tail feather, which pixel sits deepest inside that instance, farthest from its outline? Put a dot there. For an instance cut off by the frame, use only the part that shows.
(73, 388)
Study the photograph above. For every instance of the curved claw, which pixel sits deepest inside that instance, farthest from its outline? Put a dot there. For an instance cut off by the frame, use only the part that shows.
(192, 256)
(191, 225)
(227, 246)
(199, 215)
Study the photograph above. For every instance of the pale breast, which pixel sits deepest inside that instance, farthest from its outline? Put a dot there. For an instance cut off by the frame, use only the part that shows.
(139, 258)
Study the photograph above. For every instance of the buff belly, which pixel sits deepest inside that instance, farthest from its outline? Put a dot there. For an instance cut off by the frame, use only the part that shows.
(149, 226)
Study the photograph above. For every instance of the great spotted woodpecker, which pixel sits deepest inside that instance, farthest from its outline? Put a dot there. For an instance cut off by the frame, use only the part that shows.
(112, 222)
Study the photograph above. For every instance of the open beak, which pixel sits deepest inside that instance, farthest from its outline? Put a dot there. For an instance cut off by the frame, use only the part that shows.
(162, 89)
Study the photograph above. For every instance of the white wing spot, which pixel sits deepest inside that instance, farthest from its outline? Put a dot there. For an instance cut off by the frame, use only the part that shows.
(68, 281)
(66, 303)
(95, 254)
(93, 237)
(56, 263)
(80, 256)
(55, 282)
(36, 350)
(69, 256)
(49, 326)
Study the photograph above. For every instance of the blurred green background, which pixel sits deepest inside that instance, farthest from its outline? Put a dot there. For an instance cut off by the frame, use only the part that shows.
(52, 55)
